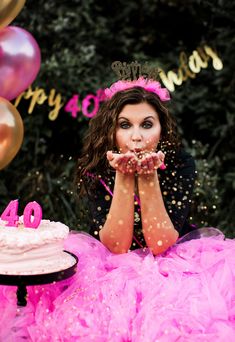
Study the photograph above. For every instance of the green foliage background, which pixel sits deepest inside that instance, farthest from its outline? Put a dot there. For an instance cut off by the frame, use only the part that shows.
(79, 40)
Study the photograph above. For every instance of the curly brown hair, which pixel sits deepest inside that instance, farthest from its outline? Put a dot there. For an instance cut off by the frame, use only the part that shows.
(100, 136)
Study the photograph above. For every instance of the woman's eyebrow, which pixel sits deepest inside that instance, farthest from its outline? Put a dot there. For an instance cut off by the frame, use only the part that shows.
(147, 117)
(122, 117)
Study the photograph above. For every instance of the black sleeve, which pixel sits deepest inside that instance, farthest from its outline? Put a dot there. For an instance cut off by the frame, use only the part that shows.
(177, 187)
(99, 201)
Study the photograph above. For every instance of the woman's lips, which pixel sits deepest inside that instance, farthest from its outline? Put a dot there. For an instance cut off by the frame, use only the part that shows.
(136, 150)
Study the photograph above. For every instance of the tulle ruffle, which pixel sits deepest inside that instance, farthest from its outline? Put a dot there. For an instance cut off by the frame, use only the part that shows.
(185, 294)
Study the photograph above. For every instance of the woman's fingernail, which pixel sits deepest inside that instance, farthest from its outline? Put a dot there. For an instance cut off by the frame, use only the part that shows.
(162, 167)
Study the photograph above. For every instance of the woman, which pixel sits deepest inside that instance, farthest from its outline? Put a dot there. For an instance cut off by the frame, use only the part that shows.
(137, 126)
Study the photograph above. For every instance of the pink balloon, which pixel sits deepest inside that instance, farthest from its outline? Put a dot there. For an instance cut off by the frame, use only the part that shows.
(20, 60)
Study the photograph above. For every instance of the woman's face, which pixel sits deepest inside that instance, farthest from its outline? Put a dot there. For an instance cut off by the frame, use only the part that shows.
(138, 128)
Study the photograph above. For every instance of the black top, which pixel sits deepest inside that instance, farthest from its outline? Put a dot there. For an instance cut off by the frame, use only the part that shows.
(176, 183)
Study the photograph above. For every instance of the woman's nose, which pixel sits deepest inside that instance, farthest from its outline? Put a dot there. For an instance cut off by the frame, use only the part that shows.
(136, 136)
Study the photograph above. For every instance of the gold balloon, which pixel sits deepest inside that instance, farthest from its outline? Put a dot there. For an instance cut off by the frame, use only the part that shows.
(11, 132)
(9, 9)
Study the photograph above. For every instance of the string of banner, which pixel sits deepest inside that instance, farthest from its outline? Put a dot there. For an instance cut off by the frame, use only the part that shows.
(189, 67)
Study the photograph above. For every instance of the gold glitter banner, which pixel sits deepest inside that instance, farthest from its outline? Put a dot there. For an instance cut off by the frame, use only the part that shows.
(189, 67)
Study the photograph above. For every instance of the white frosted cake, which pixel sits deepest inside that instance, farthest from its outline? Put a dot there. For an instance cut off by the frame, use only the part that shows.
(33, 251)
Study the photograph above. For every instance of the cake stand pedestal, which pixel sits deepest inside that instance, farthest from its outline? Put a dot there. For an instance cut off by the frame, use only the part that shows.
(22, 281)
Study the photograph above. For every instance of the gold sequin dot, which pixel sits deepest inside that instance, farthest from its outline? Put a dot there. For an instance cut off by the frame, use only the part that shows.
(99, 208)
(107, 197)
(173, 202)
(159, 243)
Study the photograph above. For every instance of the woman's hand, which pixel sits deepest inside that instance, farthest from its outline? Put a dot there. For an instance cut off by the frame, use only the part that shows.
(148, 163)
(142, 163)
(124, 163)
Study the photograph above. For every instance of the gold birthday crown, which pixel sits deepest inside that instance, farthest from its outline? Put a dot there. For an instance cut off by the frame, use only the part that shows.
(134, 71)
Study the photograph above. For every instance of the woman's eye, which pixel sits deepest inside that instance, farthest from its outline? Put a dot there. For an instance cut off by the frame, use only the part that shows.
(147, 124)
(124, 125)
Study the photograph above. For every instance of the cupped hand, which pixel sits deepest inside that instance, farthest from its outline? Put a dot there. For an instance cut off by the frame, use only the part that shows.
(130, 162)
(149, 162)
(123, 162)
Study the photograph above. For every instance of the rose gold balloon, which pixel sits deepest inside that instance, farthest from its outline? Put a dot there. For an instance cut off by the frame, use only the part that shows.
(20, 60)
(9, 10)
(11, 132)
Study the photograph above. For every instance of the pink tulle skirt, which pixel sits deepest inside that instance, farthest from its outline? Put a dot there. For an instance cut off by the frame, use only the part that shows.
(185, 294)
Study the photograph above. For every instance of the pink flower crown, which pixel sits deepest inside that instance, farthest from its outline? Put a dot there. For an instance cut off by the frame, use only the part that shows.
(149, 85)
